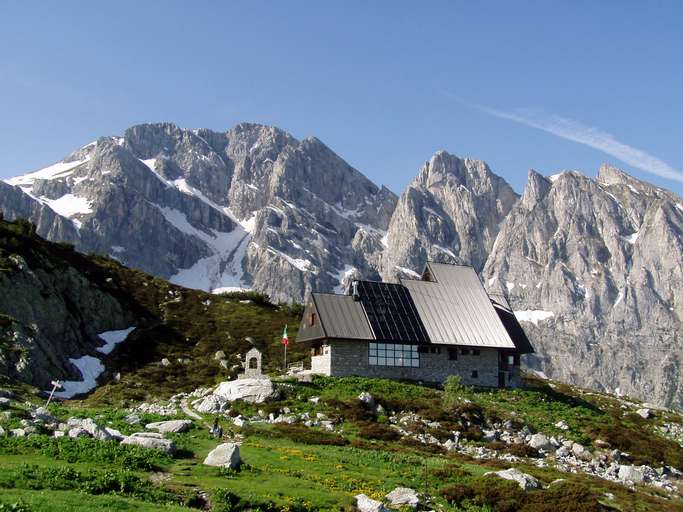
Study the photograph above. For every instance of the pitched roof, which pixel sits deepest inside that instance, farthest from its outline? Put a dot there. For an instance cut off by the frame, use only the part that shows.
(391, 312)
(342, 317)
(455, 308)
(448, 306)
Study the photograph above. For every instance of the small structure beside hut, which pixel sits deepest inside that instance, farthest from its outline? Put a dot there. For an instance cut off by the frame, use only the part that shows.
(251, 365)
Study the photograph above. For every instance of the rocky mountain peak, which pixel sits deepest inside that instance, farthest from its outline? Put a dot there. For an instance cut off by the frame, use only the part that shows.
(536, 189)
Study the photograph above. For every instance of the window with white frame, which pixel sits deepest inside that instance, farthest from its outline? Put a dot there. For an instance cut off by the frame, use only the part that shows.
(393, 354)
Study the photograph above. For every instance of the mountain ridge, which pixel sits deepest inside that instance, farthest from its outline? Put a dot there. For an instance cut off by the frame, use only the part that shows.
(254, 207)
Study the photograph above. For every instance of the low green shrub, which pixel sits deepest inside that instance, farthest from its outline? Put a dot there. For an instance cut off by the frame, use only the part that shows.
(506, 496)
(305, 435)
(86, 450)
(225, 500)
(378, 431)
(63, 478)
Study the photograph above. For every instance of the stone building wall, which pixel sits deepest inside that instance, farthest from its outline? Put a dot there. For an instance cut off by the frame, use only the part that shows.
(345, 358)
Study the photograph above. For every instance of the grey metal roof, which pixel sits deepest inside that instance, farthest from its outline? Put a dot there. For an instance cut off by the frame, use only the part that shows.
(342, 317)
(455, 308)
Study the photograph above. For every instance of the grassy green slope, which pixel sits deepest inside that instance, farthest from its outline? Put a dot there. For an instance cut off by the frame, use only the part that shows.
(173, 322)
(293, 467)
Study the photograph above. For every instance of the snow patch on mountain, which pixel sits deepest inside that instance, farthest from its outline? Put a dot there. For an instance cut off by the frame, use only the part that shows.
(91, 368)
(533, 315)
(58, 170)
(113, 338)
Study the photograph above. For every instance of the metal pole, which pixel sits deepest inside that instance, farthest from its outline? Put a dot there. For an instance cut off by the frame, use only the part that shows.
(55, 385)
(285, 359)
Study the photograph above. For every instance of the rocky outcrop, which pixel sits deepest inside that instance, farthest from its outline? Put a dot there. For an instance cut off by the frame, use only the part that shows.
(52, 310)
(249, 208)
(449, 213)
(594, 270)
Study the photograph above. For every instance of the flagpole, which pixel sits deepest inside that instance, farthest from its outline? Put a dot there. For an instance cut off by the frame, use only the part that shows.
(285, 368)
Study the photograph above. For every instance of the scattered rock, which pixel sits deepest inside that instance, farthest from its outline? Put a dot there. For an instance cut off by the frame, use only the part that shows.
(41, 413)
(365, 504)
(89, 425)
(211, 404)
(314, 399)
(17, 432)
(132, 419)
(562, 425)
(368, 400)
(165, 362)
(403, 496)
(239, 421)
(78, 432)
(603, 445)
(250, 390)
(150, 440)
(525, 481)
(5, 403)
(646, 414)
(224, 455)
(2, 431)
(175, 426)
(633, 474)
(581, 453)
(219, 355)
(541, 442)
(115, 434)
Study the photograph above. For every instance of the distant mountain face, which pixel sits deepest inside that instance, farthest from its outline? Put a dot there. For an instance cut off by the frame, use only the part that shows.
(593, 267)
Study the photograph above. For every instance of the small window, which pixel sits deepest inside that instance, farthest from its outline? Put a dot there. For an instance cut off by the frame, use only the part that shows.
(312, 319)
(476, 352)
(511, 360)
(475, 374)
(464, 351)
(317, 351)
(452, 353)
(435, 350)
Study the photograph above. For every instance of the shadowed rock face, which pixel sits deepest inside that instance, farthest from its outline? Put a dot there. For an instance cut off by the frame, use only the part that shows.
(596, 267)
(593, 266)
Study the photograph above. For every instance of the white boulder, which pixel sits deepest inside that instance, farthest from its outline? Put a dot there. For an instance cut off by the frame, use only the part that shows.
(78, 432)
(150, 440)
(403, 496)
(646, 414)
(224, 455)
(211, 404)
(366, 504)
(89, 425)
(175, 426)
(541, 442)
(525, 481)
(250, 390)
(633, 474)
(581, 453)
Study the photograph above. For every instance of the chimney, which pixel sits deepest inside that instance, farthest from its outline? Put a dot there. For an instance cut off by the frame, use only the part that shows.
(354, 292)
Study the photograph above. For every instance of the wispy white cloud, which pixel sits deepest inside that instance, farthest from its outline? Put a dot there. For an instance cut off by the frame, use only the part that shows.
(589, 136)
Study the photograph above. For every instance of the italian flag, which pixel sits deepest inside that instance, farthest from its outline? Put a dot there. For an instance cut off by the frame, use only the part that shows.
(285, 338)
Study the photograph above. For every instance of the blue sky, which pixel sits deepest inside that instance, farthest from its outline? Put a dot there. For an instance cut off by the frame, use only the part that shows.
(546, 85)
